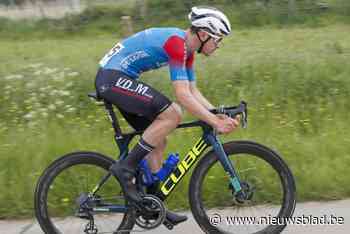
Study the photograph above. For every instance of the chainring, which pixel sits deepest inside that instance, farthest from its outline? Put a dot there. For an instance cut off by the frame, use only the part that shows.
(153, 213)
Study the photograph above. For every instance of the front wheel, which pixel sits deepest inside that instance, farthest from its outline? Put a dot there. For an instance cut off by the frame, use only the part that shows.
(65, 183)
(265, 178)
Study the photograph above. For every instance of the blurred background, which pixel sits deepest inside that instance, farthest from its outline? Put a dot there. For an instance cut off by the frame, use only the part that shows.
(289, 59)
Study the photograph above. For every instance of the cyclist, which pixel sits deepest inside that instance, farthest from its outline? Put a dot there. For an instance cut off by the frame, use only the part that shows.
(147, 109)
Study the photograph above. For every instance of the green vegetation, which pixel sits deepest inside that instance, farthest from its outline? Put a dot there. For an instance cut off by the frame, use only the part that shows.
(99, 19)
(295, 81)
(292, 70)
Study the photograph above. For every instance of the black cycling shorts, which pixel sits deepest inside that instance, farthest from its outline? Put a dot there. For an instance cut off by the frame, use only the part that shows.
(138, 102)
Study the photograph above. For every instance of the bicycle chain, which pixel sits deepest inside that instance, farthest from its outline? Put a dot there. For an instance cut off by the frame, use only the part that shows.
(155, 200)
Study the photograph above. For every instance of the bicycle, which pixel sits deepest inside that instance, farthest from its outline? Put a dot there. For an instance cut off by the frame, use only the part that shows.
(221, 183)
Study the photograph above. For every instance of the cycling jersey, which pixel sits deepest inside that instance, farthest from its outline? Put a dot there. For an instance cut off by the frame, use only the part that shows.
(151, 49)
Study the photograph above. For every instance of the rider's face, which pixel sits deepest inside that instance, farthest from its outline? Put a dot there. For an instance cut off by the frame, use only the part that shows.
(211, 46)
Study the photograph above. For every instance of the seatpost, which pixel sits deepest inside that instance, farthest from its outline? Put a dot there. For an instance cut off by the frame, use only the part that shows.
(113, 119)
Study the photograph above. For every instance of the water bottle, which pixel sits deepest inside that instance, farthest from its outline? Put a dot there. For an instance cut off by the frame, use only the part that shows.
(147, 178)
(168, 166)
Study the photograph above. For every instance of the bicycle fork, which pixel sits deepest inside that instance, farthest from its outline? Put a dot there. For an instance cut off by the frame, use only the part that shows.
(227, 165)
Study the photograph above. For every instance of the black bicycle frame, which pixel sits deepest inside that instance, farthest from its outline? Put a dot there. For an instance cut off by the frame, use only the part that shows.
(209, 138)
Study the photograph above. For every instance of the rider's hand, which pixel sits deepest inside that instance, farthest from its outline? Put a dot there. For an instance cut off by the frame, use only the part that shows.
(226, 124)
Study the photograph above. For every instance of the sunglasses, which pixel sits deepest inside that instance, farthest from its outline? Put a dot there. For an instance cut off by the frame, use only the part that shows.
(217, 40)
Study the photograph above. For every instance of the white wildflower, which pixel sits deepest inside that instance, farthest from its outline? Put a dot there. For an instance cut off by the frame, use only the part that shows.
(38, 72)
(53, 92)
(73, 74)
(69, 84)
(59, 76)
(29, 115)
(71, 109)
(30, 85)
(49, 70)
(42, 110)
(60, 116)
(59, 102)
(34, 65)
(33, 98)
(64, 93)
(52, 107)
(14, 77)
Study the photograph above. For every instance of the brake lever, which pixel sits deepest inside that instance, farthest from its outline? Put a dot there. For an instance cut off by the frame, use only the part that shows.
(239, 110)
(244, 119)
(221, 109)
(244, 114)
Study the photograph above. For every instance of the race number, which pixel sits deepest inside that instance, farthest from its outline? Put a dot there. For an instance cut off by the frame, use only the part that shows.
(115, 50)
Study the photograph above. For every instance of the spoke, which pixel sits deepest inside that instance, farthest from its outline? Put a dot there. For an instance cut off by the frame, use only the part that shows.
(247, 170)
(87, 181)
(266, 195)
(67, 186)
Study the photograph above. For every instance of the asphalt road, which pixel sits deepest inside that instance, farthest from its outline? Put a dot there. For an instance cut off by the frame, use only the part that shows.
(311, 211)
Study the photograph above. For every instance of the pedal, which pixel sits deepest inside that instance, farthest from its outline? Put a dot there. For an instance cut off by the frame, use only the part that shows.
(82, 215)
(169, 225)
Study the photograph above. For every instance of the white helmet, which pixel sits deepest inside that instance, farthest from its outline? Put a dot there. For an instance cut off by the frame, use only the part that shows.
(211, 20)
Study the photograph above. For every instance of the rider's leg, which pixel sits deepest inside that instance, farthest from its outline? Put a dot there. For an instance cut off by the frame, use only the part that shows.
(138, 99)
(154, 135)
(163, 125)
(139, 109)
(155, 158)
(155, 162)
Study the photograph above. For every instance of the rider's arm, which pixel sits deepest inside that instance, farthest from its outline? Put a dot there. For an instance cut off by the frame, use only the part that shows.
(181, 73)
(192, 78)
(186, 99)
(198, 95)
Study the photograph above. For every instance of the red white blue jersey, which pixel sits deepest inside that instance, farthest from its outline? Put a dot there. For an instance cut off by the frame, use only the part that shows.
(151, 49)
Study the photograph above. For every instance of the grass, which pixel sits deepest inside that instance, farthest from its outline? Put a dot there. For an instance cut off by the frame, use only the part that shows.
(99, 18)
(295, 81)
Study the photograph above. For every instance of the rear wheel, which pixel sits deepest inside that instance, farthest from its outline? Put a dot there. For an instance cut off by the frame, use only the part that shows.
(71, 178)
(265, 178)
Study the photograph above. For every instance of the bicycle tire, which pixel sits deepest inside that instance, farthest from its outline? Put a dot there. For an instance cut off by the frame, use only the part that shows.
(231, 149)
(58, 166)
